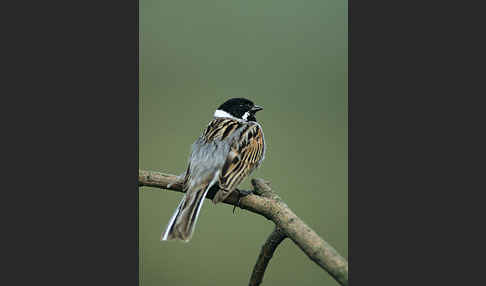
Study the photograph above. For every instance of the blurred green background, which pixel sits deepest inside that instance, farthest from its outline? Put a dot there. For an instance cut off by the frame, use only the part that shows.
(291, 58)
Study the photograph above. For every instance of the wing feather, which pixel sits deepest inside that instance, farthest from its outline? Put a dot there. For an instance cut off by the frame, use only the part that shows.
(246, 154)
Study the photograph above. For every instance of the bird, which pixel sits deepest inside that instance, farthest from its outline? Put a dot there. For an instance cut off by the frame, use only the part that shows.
(229, 149)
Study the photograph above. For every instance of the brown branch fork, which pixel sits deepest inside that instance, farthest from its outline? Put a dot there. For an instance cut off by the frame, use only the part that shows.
(265, 202)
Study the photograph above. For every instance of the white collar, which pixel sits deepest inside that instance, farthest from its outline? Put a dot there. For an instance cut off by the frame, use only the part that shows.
(221, 113)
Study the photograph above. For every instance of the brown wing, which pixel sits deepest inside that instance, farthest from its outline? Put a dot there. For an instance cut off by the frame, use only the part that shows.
(220, 129)
(245, 155)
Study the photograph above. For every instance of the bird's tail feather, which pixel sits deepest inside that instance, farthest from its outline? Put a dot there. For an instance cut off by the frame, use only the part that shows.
(181, 224)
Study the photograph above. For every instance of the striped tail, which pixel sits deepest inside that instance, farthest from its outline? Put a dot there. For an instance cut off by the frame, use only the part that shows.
(181, 224)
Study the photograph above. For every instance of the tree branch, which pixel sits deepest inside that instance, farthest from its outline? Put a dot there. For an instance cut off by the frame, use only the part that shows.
(266, 203)
(266, 253)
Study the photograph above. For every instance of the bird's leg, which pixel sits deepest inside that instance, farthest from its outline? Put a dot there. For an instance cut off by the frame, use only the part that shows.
(241, 194)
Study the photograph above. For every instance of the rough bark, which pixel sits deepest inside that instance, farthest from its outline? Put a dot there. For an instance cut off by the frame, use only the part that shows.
(267, 203)
(266, 253)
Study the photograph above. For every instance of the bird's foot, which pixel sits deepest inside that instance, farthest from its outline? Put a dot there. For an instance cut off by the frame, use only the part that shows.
(241, 194)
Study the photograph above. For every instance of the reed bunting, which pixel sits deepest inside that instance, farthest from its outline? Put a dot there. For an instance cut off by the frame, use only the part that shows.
(229, 149)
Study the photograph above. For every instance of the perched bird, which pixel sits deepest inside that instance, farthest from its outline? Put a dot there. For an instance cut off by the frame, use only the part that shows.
(229, 149)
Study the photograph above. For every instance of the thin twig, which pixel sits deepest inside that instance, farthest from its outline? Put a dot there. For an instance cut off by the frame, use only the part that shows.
(273, 208)
(266, 253)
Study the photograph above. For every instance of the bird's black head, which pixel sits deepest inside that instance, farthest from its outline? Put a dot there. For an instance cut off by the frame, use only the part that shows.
(240, 108)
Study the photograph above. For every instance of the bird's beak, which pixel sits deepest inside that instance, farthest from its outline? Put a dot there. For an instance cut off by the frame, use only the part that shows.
(256, 108)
